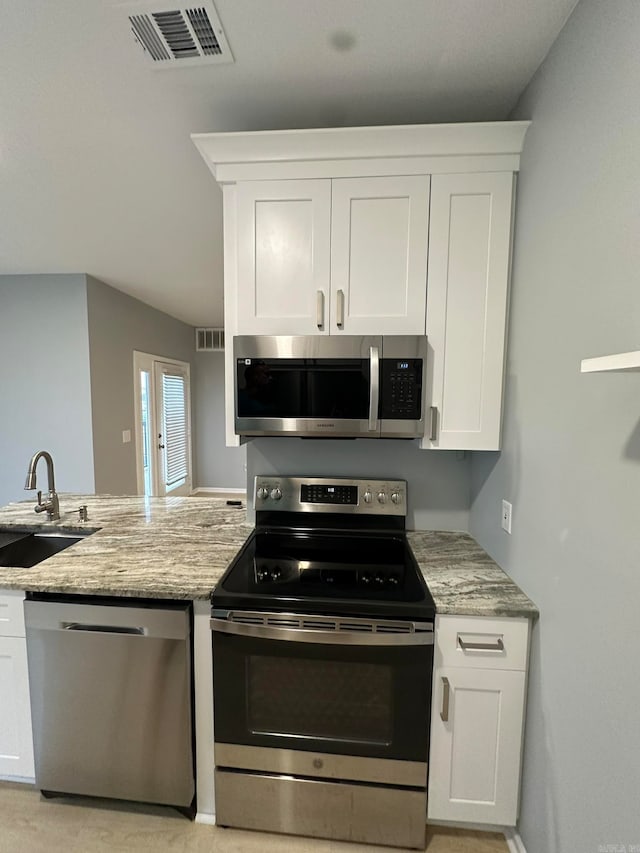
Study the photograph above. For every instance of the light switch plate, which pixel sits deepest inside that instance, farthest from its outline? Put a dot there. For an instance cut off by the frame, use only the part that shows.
(126, 436)
(506, 516)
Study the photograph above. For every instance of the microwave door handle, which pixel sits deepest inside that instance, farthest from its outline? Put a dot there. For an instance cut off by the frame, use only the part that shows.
(374, 388)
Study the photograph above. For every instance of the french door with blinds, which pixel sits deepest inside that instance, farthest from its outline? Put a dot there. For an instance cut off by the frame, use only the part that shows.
(163, 425)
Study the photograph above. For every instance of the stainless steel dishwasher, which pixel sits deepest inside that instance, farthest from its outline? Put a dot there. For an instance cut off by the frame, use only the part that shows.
(111, 699)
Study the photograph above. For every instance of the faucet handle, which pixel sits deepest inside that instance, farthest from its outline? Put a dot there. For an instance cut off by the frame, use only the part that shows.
(84, 515)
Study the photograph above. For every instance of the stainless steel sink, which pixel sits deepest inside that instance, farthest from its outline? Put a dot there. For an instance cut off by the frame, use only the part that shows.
(24, 550)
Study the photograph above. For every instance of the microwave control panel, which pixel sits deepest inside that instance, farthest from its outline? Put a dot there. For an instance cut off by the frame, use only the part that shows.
(401, 389)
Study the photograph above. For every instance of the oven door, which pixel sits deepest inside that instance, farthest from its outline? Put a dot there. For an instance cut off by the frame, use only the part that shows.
(307, 386)
(349, 689)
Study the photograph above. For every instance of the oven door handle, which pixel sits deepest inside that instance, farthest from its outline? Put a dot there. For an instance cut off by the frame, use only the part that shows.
(334, 638)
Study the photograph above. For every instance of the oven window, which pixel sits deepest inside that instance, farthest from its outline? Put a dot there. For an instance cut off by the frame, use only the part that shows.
(323, 699)
(303, 388)
(352, 699)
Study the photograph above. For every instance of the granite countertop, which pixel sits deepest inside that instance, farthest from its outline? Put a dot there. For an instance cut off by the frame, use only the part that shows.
(179, 548)
(144, 547)
(463, 578)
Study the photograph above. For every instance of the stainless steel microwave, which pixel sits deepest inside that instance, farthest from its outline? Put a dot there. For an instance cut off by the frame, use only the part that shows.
(338, 387)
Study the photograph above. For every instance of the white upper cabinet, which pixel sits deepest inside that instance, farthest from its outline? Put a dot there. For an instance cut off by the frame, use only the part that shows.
(333, 257)
(379, 237)
(284, 233)
(377, 230)
(468, 278)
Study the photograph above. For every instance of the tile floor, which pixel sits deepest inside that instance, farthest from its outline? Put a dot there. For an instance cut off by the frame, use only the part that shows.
(31, 824)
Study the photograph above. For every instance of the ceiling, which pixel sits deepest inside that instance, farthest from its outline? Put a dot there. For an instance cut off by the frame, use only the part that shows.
(97, 170)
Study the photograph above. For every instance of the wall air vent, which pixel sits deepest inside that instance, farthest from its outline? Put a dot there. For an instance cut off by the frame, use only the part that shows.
(174, 35)
(209, 340)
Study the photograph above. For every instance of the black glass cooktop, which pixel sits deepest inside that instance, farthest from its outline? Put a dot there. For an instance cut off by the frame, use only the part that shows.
(343, 572)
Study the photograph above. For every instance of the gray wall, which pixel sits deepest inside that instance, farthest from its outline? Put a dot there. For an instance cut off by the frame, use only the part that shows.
(216, 465)
(438, 481)
(118, 325)
(571, 458)
(45, 397)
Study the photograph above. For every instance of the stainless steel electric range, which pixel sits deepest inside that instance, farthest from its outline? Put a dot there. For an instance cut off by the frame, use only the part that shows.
(322, 662)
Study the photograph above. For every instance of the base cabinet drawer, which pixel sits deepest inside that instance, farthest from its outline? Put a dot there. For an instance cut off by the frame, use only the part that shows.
(482, 642)
(11, 613)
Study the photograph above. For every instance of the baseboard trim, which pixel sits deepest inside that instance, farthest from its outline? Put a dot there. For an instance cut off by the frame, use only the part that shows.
(215, 491)
(22, 780)
(514, 842)
(203, 817)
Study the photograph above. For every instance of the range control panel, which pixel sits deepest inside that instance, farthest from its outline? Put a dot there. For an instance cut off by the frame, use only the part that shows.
(319, 494)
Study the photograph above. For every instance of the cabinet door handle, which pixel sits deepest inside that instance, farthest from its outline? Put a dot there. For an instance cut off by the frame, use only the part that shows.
(498, 646)
(340, 319)
(320, 309)
(374, 387)
(444, 713)
(433, 423)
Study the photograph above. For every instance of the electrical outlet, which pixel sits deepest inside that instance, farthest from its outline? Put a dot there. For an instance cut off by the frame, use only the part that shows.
(506, 516)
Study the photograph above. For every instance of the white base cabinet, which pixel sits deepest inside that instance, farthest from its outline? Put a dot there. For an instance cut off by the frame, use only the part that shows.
(477, 719)
(16, 743)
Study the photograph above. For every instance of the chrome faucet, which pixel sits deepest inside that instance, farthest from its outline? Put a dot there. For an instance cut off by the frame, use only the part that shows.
(51, 505)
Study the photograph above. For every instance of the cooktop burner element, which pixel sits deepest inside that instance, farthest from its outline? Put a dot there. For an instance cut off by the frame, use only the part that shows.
(327, 546)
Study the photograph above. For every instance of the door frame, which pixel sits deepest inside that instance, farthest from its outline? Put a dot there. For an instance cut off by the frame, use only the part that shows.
(146, 361)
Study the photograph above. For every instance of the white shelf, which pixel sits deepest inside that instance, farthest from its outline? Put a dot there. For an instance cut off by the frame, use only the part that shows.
(621, 362)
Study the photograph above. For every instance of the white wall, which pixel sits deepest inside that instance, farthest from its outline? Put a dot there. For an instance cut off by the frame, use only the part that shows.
(571, 457)
(437, 481)
(45, 397)
(217, 465)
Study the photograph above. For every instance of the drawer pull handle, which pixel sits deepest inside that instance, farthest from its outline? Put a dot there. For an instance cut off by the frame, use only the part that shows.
(498, 646)
(444, 713)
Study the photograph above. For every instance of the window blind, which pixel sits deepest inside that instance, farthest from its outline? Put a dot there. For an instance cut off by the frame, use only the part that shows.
(175, 428)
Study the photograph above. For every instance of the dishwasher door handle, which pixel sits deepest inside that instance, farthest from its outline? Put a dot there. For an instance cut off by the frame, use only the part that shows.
(103, 629)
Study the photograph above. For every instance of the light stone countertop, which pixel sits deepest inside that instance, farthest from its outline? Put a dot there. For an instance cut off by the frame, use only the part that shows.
(144, 547)
(179, 548)
(463, 578)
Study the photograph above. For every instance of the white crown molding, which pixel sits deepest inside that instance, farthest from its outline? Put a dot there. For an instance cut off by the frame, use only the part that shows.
(229, 154)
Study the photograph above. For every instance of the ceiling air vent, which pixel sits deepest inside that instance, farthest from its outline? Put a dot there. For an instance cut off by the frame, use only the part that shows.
(209, 340)
(174, 35)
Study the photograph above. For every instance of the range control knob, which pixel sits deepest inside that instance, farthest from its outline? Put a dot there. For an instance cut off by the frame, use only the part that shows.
(276, 494)
(382, 497)
(396, 497)
(367, 497)
(263, 493)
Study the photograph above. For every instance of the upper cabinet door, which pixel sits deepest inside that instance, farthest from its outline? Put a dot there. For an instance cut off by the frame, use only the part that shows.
(283, 234)
(469, 260)
(379, 237)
